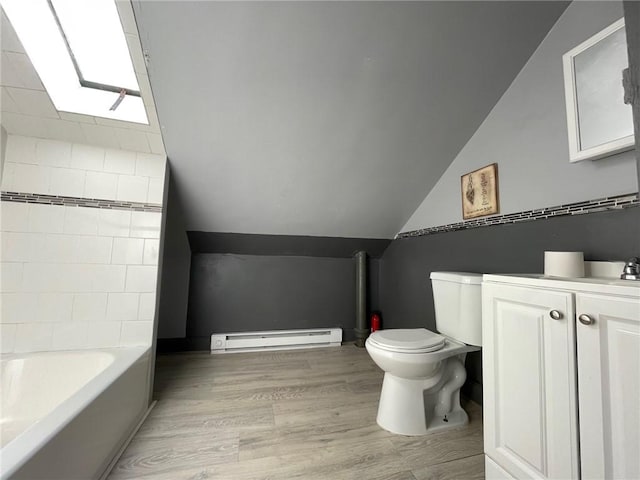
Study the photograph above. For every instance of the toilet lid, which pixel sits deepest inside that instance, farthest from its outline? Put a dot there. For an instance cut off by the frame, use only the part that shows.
(410, 340)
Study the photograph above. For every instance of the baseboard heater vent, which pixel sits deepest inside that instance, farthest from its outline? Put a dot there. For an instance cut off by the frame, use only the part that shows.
(275, 340)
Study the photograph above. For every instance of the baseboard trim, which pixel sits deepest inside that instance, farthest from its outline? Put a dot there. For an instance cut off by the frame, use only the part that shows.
(203, 344)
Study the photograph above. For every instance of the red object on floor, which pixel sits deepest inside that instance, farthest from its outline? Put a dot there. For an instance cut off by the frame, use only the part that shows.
(375, 322)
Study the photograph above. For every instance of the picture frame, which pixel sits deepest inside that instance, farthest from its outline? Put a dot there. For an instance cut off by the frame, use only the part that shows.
(599, 123)
(480, 192)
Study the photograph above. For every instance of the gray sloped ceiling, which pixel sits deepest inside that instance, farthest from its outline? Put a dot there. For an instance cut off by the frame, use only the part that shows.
(325, 118)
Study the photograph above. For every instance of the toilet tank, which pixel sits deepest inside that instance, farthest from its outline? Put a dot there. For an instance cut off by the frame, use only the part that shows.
(458, 304)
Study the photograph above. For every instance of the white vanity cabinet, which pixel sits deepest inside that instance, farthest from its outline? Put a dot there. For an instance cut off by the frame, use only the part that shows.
(561, 378)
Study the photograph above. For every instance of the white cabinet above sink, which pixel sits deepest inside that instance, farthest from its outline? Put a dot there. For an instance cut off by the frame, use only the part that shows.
(561, 370)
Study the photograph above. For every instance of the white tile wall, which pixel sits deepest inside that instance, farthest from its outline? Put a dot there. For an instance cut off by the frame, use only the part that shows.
(128, 251)
(141, 279)
(32, 102)
(35, 165)
(81, 221)
(10, 276)
(51, 152)
(14, 217)
(51, 277)
(147, 165)
(46, 218)
(132, 188)
(120, 162)
(100, 135)
(109, 278)
(122, 306)
(155, 143)
(114, 223)
(104, 334)
(87, 157)
(53, 307)
(33, 337)
(89, 307)
(23, 148)
(8, 104)
(132, 140)
(18, 307)
(70, 336)
(26, 178)
(135, 333)
(151, 251)
(147, 306)
(156, 190)
(16, 246)
(76, 277)
(45, 247)
(18, 72)
(64, 269)
(92, 249)
(67, 182)
(101, 185)
(7, 337)
(145, 224)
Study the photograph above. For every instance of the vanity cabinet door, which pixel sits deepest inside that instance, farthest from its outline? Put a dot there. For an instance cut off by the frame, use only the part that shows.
(530, 412)
(608, 330)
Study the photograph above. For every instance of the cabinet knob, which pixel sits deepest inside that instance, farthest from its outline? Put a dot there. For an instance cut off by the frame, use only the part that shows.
(555, 314)
(586, 319)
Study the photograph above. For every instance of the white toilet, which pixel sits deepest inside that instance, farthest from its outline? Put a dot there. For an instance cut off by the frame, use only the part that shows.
(425, 370)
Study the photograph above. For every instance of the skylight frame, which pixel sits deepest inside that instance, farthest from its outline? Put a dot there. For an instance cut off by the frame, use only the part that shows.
(83, 81)
(42, 38)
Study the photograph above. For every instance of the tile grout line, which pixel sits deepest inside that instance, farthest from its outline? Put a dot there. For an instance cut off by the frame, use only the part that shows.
(617, 202)
(60, 200)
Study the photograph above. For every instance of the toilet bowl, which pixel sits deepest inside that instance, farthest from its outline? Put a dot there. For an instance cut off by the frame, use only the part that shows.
(425, 370)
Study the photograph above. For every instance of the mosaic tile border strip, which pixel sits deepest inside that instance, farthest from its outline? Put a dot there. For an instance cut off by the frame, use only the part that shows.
(79, 202)
(579, 208)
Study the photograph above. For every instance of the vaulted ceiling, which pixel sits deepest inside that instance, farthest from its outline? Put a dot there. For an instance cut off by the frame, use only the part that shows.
(325, 118)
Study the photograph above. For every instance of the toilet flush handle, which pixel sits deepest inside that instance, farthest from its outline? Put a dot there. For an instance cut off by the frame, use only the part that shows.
(555, 314)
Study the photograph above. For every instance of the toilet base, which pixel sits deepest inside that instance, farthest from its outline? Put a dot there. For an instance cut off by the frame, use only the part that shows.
(415, 407)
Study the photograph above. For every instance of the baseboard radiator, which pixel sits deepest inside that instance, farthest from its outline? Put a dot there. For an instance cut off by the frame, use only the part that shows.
(275, 340)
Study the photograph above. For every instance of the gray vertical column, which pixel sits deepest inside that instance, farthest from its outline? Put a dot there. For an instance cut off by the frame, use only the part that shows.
(361, 330)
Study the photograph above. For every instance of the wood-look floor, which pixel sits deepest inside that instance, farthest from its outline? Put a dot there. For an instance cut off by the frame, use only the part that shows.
(302, 414)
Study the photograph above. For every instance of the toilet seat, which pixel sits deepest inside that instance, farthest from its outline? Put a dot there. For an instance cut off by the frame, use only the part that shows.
(407, 340)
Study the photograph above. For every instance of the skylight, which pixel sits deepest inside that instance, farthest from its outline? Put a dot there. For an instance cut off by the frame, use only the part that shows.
(79, 50)
(97, 41)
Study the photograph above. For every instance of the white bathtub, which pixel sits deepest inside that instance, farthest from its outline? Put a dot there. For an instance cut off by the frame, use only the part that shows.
(65, 415)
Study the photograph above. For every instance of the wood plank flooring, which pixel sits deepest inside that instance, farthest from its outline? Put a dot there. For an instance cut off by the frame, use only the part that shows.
(302, 414)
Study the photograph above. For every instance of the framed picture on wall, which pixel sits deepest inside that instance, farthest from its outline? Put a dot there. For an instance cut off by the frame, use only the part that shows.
(480, 192)
(599, 123)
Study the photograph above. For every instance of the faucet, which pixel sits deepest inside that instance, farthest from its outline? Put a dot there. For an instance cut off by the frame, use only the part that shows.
(631, 270)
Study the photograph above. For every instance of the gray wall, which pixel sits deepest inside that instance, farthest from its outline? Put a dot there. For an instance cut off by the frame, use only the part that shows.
(243, 282)
(238, 293)
(526, 134)
(301, 246)
(176, 264)
(406, 298)
(325, 118)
